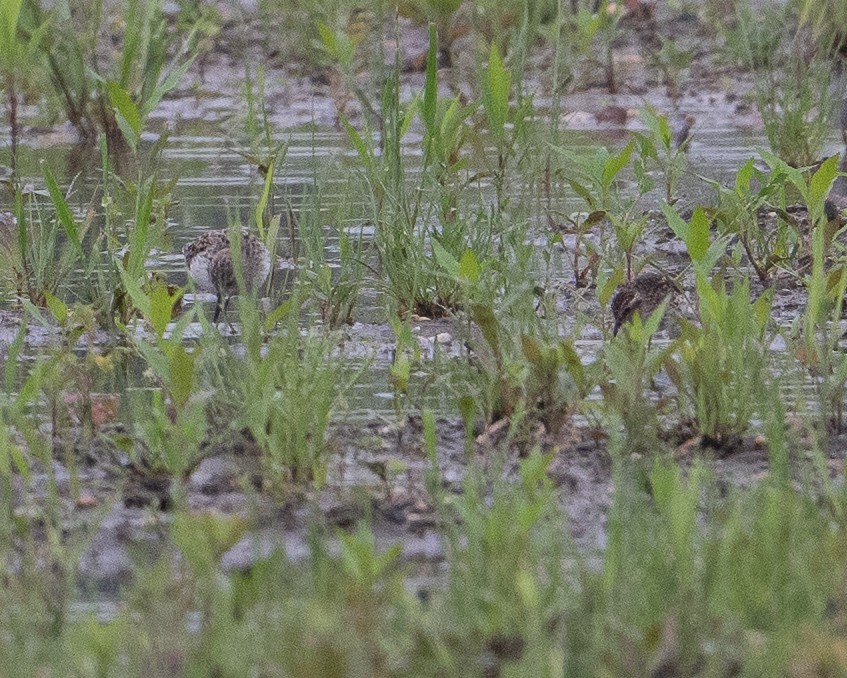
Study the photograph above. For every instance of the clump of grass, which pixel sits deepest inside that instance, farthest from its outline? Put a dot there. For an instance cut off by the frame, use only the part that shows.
(797, 108)
(282, 394)
(737, 214)
(135, 218)
(826, 20)
(816, 335)
(662, 148)
(792, 85)
(592, 178)
(757, 37)
(759, 567)
(35, 261)
(113, 98)
(20, 56)
(632, 364)
(721, 369)
(171, 426)
(530, 376)
(335, 288)
(412, 230)
(504, 603)
(350, 41)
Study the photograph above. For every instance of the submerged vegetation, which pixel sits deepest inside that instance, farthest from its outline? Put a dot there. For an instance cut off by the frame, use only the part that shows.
(560, 481)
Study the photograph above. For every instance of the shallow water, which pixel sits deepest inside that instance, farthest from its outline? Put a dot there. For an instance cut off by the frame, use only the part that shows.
(217, 185)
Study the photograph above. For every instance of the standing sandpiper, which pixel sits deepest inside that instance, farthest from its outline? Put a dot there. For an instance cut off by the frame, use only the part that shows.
(644, 293)
(209, 261)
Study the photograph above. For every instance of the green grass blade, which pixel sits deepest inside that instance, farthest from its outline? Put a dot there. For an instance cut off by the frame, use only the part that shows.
(63, 212)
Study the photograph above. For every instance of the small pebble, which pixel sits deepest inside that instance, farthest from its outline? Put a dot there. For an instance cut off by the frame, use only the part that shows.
(86, 501)
(443, 337)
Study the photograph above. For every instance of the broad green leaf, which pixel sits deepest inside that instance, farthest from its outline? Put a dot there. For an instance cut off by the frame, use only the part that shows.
(180, 374)
(647, 149)
(329, 39)
(452, 118)
(446, 260)
(497, 84)
(161, 308)
(57, 307)
(469, 266)
(821, 182)
(263, 201)
(716, 251)
(126, 112)
(400, 371)
(710, 302)
(762, 308)
(794, 175)
(651, 324)
(358, 143)
(9, 16)
(605, 289)
(582, 192)
(484, 317)
(616, 163)
(677, 224)
(531, 350)
(658, 125)
(170, 81)
(278, 314)
(743, 178)
(574, 363)
(139, 300)
(698, 235)
(664, 131)
(409, 115)
(651, 119)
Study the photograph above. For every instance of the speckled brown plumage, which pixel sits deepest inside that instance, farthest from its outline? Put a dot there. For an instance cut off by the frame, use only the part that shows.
(209, 261)
(644, 294)
(682, 135)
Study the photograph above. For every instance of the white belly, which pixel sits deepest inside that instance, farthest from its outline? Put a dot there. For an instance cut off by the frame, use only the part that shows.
(199, 271)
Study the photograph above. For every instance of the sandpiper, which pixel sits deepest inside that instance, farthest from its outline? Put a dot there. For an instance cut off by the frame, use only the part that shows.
(209, 261)
(644, 293)
(682, 135)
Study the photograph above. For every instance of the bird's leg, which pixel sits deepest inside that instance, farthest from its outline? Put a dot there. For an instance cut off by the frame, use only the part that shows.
(217, 309)
(226, 306)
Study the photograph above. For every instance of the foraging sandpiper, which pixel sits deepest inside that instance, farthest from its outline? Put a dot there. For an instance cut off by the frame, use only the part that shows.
(682, 134)
(209, 261)
(644, 293)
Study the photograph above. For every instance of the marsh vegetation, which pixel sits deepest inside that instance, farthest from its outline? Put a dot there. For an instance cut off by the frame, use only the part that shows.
(454, 430)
